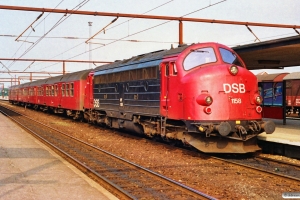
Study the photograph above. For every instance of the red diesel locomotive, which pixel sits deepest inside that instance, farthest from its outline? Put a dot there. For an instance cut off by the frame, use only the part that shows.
(199, 94)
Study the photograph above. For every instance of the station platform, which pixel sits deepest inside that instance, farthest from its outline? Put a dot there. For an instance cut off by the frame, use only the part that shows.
(30, 170)
(284, 141)
(286, 134)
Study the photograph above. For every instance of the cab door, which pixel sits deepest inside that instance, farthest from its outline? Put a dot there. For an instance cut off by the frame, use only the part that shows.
(164, 93)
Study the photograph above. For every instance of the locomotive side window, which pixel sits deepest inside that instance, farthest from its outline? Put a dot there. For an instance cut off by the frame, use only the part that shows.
(173, 69)
(230, 57)
(167, 70)
(199, 57)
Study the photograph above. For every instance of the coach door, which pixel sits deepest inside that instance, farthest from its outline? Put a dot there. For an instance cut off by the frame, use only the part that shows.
(88, 93)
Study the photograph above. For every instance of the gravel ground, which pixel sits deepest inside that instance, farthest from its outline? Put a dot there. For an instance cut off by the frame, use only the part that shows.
(197, 170)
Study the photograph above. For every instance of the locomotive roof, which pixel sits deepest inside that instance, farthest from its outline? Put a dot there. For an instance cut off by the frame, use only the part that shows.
(151, 58)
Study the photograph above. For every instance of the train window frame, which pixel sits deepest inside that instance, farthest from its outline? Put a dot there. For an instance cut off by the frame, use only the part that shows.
(167, 72)
(224, 52)
(71, 89)
(67, 89)
(191, 61)
(46, 90)
(63, 89)
(173, 69)
(52, 90)
(55, 90)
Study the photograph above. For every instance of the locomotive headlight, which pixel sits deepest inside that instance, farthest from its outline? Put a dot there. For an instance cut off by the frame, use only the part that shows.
(258, 100)
(208, 100)
(233, 70)
(204, 100)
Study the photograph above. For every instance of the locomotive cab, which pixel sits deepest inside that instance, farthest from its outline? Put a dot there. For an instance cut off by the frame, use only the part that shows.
(216, 97)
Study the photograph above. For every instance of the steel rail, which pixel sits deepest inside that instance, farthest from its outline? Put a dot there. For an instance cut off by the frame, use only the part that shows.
(110, 14)
(257, 169)
(122, 193)
(278, 161)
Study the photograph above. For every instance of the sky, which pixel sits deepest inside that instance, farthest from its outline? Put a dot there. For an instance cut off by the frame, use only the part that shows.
(65, 36)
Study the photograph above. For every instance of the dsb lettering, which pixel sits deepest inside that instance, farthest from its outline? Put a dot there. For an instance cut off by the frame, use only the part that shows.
(234, 87)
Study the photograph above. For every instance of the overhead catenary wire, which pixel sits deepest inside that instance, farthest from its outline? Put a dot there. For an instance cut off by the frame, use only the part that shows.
(108, 29)
(31, 32)
(147, 29)
(54, 26)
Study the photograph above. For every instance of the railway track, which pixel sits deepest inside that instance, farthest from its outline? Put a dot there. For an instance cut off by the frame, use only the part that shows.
(123, 178)
(276, 168)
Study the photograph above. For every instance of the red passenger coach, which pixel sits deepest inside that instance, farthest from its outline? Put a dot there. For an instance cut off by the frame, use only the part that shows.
(60, 94)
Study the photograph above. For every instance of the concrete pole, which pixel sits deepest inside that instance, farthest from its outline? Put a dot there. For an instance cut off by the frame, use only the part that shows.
(180, 33)
(90, 44)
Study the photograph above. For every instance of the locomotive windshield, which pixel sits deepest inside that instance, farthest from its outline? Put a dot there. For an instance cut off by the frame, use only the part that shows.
(199, 57)
(230, 57)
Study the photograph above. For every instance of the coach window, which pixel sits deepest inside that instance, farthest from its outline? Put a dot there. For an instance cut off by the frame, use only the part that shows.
(63, 89)
(47, 91)
(71, 89)
(67, 89)
(55, 90)
(52, 90)
(199, 57)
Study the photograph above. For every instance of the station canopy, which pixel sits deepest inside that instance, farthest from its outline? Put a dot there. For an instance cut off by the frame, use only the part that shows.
(273, 54)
